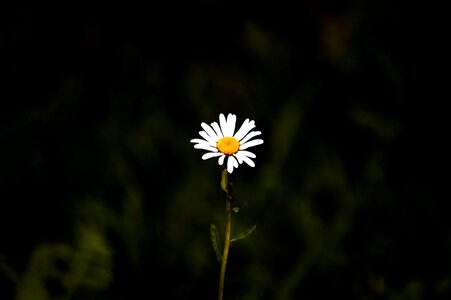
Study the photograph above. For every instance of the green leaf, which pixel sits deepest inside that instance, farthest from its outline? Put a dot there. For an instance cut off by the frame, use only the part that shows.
(244, 234)
(216, 242)
(237, 208)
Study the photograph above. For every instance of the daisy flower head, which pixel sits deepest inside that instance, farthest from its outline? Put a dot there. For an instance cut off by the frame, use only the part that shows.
(223, 142)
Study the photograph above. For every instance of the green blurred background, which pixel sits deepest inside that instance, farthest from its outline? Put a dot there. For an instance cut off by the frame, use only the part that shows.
(103, 197)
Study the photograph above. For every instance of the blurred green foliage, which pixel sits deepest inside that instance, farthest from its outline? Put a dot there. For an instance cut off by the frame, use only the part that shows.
(103, 196)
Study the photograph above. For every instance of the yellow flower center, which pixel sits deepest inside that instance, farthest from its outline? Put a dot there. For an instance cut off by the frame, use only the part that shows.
(228, 145)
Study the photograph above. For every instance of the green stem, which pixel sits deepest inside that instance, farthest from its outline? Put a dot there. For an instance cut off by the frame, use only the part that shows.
(227, 235)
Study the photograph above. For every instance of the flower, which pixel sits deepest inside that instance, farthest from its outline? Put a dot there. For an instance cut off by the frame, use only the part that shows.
(221, 141)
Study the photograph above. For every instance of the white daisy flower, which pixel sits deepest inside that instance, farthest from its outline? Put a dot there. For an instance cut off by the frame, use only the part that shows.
(222, 141)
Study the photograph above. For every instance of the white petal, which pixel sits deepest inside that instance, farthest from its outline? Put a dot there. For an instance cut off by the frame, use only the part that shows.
(211, 154)
(246, 153)
(221, 160)
(244, 158)
(249, 161)
(223, 123)
(231, 162)
(217, 129)
(251, 144)
(249, 136)
(205, 147)
(209, 131)
(209, 139)
(229, 165)
(235, 162)
(239, 158)
(230, 127)
(245, 128)
(198, 141)
(202, 142)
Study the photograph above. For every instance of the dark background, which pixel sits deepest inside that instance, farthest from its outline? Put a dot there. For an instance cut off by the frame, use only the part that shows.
(103, 197)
